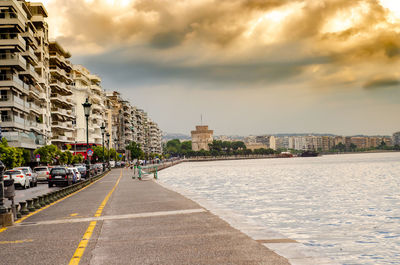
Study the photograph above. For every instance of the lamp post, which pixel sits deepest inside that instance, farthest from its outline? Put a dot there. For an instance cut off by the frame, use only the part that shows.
(103, 129)
(86, 108)
(2, 208)
(108, 149)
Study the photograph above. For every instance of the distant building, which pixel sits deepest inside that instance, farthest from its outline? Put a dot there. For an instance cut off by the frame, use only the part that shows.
(396, 138)
(201, 137)
(262, 141)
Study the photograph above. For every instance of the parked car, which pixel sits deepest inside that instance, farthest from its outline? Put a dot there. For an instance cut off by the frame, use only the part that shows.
(30, 173)
(42, 173)
(82, 171)
(19, 177)
(60, 176)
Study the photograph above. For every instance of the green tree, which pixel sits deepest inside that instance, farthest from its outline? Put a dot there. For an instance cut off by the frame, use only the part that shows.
(48, 153)
(173, 147)
(135, 150)
(353, 147)
(11, 156)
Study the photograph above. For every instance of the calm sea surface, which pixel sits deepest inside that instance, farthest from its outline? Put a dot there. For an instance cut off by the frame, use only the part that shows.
(346, 206)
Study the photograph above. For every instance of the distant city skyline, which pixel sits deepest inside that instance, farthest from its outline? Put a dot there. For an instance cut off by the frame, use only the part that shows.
(250, 67)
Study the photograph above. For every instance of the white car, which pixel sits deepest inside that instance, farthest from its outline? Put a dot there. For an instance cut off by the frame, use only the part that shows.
(29, 172)
(78, 176)
(19, 177)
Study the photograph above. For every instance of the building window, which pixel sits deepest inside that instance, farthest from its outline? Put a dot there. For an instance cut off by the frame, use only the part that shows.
(3, 95)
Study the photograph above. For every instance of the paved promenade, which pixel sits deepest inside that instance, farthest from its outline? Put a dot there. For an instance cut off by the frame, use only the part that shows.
(118, 220)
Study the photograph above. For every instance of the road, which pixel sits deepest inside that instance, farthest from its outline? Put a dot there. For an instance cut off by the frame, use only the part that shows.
(23, 195)
(120, 220)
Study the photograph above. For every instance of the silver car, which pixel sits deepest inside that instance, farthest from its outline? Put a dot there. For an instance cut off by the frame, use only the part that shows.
(43, 173)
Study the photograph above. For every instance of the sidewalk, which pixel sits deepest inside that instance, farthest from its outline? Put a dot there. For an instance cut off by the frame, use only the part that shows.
(141, 223)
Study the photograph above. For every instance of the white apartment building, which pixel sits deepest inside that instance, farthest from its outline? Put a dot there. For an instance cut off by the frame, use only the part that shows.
(155, 137)
(87, 85)
(62, 106)
(23, 94)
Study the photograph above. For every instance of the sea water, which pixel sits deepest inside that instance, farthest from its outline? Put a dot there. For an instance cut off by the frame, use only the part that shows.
(346, 206)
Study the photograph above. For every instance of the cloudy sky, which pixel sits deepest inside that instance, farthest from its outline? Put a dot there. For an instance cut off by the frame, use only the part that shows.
(248, 66)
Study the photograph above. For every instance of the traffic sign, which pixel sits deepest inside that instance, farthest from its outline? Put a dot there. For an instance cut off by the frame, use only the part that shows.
(120, 155)
(37, 156)
(89, 152)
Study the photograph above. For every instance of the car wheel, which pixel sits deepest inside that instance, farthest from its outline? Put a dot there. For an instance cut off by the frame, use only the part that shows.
(36, 183)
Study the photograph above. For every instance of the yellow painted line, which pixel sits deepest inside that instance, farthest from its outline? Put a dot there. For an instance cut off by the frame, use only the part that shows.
(51, 204)
(76, 258)
(73, 214)
(16, 241)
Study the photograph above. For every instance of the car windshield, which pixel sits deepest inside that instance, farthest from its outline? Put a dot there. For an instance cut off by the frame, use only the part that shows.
(81, 168)
(26, 170)
(12, 172)
(41, 169)
(58, 171)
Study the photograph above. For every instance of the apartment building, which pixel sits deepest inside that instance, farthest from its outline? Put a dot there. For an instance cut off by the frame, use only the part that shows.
(22, 93)
(155, 138)
(88, 86)
(114, 99)
(62, 106)
(396, 138)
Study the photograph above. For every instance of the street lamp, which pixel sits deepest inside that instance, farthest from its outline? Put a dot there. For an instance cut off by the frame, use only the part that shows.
(2, 208)
(103, 129)
(108, 148)
(86, 108)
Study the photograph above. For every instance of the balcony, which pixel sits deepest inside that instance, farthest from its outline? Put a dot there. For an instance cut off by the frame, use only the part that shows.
(61, 113)
(29, 36)
(38, 19)
(12, 101)
(64, 126)
(35, 108)
(59, 138)
(22, 139)
(12, 121)
(12, 80)
(29, 54)
(96, 88)
(14, 60)
(12, 19)
(12, 39)
(30, 72)
(60, 86)
(57, 71)
(62, 100)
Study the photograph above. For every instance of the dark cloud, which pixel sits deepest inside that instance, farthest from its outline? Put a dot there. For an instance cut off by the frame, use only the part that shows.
(382, 83)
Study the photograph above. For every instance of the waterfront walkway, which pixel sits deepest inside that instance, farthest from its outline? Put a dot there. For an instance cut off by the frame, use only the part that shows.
(118, 220)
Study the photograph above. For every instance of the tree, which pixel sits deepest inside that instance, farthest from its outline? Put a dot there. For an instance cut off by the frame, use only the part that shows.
(48, 153)
(186, 147)
(340, 146)
(237, 145)
(10, 156)
(98, 153)
(353, 147)
(136, 151)
(173, 147)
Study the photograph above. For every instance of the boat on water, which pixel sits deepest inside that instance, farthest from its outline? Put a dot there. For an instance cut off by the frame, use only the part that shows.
(309, 154)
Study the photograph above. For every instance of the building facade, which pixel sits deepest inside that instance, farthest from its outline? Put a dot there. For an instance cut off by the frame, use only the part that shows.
(201, 137)
(23, 92)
